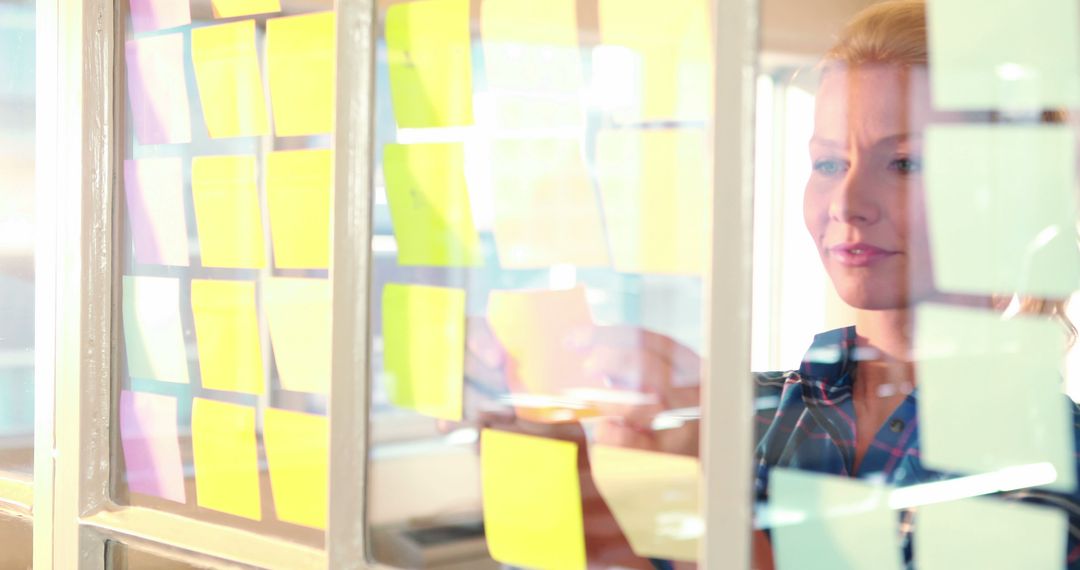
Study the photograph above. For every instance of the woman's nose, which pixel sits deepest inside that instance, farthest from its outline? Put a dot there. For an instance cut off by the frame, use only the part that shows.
(853, 201)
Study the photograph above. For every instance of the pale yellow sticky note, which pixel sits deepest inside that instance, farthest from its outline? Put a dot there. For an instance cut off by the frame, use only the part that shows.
(430, 58)
(298, 186)
(230, 83)
(153, 331)
(1018, 55)
(539, 331)
(989, 533)
(235, 8)
(656, 199)
(990, 394)
(532, 62)
(424, 344)
(300, 55)
(546, 211)
(824, 522)
(532, 501)
(227, 330)
(659, 52)
(297, 455)
(226, 458)
(429, 205)
(654, 497)
(299, 315)
(1001, 209)
(227, 213)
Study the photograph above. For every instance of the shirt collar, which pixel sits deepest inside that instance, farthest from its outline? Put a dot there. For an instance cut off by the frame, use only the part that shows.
(830, 358)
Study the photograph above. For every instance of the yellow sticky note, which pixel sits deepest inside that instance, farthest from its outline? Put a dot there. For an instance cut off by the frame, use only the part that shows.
(654, 497)
(660, 53)
(230, 84)
(227, 213)
(831, 522)
(226, 458)
(300, 53)
(297, 455)
(153, 331)
(546, 211)
(656, 198)
(531, 47)
(424, 343)
(974, 417)
(539, 330)
(1019, 55)
(532, 501)
(298, 187)
(989, 533)
(227, 330)
(298, 312)
(429, 205)
(430, 60)
(1001, 209)
(235, 8)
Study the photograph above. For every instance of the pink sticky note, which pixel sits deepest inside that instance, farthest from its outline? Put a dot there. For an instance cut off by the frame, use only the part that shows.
(151, 15)
(155, 204)
(157, 89)
(148, 434)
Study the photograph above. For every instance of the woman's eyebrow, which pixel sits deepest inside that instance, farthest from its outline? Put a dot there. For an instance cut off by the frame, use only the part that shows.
(820, 141)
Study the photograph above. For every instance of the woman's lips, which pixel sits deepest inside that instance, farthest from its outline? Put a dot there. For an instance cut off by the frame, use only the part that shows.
(858, 254)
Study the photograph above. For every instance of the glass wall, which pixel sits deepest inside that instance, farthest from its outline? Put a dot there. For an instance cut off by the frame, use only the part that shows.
(541, 209)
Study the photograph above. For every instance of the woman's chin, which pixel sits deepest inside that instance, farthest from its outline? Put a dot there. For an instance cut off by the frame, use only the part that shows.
(875, 300)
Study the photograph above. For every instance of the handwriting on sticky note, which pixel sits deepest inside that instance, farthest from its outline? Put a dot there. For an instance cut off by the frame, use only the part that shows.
(654, 498)
(986, 233)
(297, 455)
(227, 331)
(153, 333)
(151, 446)
(424, 340)
(836, 522)
(300, 57)
(227, 213)
(429, 205)
(662, 52)
(655, 190)
(230, 83)
(972, 417)
(299, 315)
(157, 89)
(430, 59)
(298, 186)
(226, 458)
(545, 210)
(235, 8)
(153, 15)
(1030, 62)
(154, 189)
(532, 500)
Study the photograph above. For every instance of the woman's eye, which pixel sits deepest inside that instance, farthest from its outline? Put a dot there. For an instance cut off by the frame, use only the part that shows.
(906, 165)
(829, 167)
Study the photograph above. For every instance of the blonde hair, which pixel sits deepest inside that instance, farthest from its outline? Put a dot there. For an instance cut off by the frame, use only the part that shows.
(895, 32)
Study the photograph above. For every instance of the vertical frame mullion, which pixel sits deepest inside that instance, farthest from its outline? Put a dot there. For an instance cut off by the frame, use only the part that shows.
(350, 275)
(727, 431)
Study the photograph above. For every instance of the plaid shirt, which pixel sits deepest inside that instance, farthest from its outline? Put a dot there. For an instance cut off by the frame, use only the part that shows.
(806, 420)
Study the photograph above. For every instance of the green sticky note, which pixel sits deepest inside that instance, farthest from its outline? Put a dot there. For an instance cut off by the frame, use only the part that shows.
(424, 348)
(153, 333)
(990, 393)
(1001, 209)
(430, 59)
(429, 205)
(1005, 55)
(826, 522)
(989, 533)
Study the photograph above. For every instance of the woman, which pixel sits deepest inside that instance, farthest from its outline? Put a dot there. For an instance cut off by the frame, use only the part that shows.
(864, 209)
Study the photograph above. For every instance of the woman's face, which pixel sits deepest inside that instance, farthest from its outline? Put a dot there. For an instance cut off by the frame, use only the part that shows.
(864, 201)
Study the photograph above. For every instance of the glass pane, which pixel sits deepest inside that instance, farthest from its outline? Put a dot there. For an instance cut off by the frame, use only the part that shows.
(915, 251)
(120, 556)
(17, 536)
(17, 237)
(541, 212)
(224, 301)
